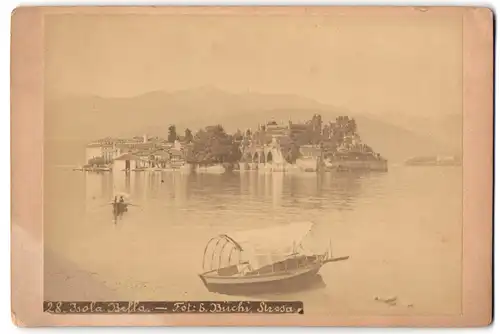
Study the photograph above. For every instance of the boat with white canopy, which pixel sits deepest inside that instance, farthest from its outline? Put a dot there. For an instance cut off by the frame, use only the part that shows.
(261, 258)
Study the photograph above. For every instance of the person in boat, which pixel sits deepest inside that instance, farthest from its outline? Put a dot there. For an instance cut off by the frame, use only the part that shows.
(119, 207)
(122, 205)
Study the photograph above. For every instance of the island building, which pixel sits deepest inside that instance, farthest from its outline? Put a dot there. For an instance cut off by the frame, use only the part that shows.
(137, 153)
(308, 146)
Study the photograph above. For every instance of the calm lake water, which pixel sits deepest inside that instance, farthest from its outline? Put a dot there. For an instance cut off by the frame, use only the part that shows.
(401, 229)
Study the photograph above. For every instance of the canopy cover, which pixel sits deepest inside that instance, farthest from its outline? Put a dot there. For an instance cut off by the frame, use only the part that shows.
(262, 247)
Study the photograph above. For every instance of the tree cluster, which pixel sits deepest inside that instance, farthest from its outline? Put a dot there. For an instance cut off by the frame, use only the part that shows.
(97, 161)
(213, 145)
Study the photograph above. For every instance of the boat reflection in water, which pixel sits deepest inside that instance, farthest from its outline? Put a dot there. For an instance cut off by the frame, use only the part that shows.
(262, 260)
(120, 205)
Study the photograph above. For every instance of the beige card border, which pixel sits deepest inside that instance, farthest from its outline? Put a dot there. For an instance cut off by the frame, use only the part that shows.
(27, 173)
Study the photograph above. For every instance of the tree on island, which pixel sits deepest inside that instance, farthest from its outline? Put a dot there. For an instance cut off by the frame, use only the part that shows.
(235, 152)
(172, 134)
(213, 145)
(351, 126)
(238, 136)
(188, 136)
(290, 149)
(97, 161)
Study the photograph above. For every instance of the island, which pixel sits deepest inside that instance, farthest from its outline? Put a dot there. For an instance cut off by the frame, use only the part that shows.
(435, 161)
(310, 146)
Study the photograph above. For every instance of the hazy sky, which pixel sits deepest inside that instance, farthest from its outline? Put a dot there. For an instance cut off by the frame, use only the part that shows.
(366, 64)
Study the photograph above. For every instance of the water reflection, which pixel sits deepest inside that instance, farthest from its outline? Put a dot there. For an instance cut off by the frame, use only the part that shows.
(121, 182)
(275, 191)
(180, 187)
(359, 215)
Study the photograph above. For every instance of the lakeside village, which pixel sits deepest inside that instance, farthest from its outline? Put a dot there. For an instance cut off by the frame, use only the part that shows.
(272, 147)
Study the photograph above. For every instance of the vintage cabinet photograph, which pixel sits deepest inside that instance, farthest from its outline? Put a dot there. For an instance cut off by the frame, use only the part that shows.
(215, 157)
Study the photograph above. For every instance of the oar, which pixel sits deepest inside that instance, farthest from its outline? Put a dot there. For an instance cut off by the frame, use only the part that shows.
(336, 259)
(100, 206)
(137, 206)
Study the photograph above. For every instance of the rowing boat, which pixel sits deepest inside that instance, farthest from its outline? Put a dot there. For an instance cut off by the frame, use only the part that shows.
(261, 260)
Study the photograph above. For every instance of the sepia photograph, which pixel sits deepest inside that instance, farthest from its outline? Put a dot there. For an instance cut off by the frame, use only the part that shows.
(254, 156)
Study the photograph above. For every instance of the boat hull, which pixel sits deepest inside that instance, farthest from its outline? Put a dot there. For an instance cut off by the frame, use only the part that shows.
(286, 281)
(307, 165)
(359, 165)
(214, 169)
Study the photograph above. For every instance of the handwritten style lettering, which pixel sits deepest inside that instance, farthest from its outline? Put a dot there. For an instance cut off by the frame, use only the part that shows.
(138, 307)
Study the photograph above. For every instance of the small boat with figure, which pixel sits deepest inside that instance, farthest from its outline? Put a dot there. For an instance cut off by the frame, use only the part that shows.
(120, 205)
(261, 260)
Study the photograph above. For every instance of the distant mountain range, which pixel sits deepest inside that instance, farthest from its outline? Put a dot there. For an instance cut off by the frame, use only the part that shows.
(82, 119)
